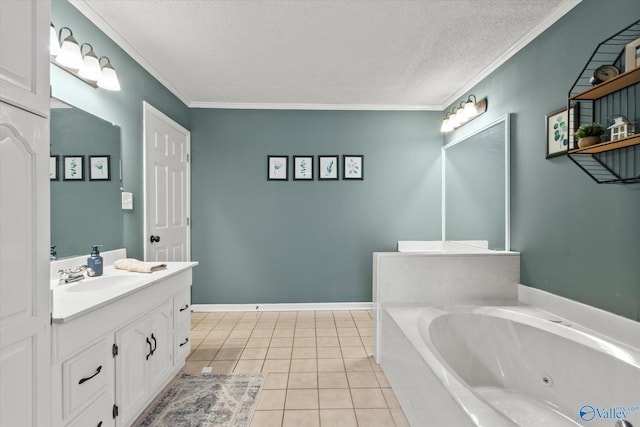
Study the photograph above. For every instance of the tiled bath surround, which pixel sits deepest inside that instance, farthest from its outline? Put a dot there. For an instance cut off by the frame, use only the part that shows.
(319, 365)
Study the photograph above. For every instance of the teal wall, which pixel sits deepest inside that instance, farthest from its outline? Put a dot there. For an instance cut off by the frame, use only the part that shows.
(90, 206)
(262, 241)
(305, 241)
(578, 239)
(122, 108)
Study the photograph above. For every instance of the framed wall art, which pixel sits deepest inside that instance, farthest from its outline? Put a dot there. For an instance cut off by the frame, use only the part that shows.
(352, 166)
(54, 174)
(303, 168)
(73, 167)
(278, 168)
(328, 168)
(100, 168)
(559, 138)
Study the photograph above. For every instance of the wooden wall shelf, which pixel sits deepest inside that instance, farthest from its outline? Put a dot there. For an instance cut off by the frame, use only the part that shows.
(612, 85)
(609, 145)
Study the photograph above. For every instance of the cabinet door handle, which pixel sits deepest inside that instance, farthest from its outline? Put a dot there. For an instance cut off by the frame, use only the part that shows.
(150, 352)
(185, 307)
(88, 378)
(155, 344)
(186, 340)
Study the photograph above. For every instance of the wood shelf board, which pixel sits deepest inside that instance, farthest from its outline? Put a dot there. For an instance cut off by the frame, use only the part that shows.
(609, 145)
(612, 85)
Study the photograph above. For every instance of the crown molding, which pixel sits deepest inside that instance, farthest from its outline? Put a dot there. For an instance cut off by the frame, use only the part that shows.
(293, 106)
(118, 39)
(557, 13)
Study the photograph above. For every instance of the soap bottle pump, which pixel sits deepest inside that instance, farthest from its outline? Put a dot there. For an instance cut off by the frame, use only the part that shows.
(94, 262)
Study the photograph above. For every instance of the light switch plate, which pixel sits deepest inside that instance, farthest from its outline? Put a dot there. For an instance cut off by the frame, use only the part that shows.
(127, 200)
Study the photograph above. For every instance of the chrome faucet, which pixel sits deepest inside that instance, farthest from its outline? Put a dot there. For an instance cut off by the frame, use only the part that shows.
(69, 275)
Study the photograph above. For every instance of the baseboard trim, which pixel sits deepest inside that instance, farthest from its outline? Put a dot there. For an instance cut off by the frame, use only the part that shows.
(314, 306)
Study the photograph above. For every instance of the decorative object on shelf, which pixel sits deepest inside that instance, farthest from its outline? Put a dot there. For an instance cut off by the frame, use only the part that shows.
(328, 168)
(632, 55)
(73, 168)
(621, 128)
(100, 168)
(559, 138)
(588, 135)
(463, 113)
(278, 168)
(303, 168)
(603, 73)
(54, 175)
(84, 64)
(352, 167)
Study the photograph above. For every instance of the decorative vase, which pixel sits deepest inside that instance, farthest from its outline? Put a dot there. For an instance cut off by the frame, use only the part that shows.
(588, 141)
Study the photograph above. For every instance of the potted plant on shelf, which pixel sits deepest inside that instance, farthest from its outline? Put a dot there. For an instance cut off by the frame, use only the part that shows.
(589, 134)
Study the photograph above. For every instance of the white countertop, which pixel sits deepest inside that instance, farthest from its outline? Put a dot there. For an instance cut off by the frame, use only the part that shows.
(75, 299)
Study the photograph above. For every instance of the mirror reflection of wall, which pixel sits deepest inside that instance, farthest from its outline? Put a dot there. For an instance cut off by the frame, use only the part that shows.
(85, 212)
(476, 186)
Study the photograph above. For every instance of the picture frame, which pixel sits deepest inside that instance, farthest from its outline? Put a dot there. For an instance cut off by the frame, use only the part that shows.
(328, 168)
(632, 55)
(100, 168)
(558, 131)
(73, 167)
(353, 166)
(54, 169)
(278, 168)
(303, 168)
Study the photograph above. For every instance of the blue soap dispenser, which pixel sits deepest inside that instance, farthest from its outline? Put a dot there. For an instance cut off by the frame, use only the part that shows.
(94, 262)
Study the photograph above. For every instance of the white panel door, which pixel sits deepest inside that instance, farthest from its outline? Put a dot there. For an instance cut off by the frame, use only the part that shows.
(24, 61)
(24, 268)
(167, 184)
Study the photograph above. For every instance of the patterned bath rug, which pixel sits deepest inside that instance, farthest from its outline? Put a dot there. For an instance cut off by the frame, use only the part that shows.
(205, 400)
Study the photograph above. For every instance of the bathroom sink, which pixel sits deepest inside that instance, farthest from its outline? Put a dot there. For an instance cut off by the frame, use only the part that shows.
(92, 284)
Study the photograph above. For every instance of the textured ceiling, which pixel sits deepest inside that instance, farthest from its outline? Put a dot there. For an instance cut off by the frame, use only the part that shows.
(378, 54)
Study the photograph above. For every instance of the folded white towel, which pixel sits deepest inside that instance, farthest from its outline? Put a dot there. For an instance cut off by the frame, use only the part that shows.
(137, 266)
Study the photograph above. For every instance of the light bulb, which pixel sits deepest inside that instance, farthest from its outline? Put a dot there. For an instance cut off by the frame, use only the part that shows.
(109, 80)
(69, 55)
(90, 69)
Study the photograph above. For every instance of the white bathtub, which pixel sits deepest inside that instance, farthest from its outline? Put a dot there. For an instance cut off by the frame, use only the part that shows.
(497, 366)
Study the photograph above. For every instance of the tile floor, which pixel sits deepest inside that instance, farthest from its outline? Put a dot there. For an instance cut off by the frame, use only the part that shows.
(319, 367)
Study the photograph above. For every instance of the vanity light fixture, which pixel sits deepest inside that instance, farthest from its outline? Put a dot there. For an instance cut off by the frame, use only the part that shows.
(109, 80)
(90, 69)
(69, 55)
(463, 113)
(54, 44)
(82, 61)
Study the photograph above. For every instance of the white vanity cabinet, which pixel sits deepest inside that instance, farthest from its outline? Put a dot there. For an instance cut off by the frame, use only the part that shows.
(111, 361)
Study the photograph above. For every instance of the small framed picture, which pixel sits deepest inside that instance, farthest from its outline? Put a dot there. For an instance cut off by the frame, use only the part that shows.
(73, 168)
(328, 168)
(352, 166)
(632, 55)
(303, 168)
(100, 168)
(278, 168)
(559, 137)
(54, 175)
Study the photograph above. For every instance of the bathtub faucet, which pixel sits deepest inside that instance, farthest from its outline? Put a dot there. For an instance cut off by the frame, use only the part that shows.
(623, 423)
(69, 275)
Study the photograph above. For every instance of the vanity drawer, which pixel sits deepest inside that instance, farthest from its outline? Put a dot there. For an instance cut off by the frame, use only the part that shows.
(182, 307)
(84, 376)
(98, 414)
(181, 343)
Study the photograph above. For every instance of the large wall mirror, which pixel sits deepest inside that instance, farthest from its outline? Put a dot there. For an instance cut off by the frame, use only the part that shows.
(475, 181)
(86, 186)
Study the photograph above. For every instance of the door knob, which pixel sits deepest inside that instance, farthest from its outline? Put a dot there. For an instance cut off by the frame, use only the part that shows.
(154, 239)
